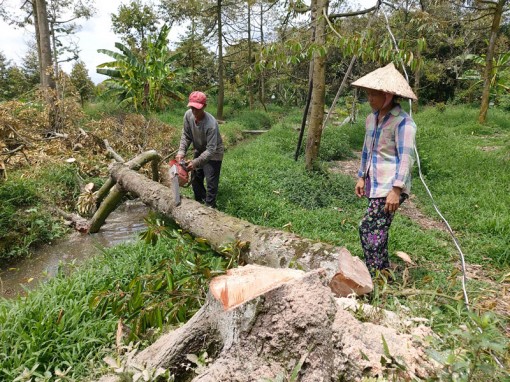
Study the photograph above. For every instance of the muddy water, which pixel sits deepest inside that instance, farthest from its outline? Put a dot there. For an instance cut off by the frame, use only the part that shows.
(122, 226)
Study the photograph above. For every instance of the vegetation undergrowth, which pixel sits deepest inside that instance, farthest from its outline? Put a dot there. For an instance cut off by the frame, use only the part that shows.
(68, 325)
(24, 218)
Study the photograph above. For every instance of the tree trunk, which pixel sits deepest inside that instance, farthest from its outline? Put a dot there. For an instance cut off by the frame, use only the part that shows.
(319, 86)
(262, 89)
(417, 81)
(112, 194)
(55, 53)
(221, 69)
(37, 38)
(267, 246)
(45, 45)
(294, 327)
(489, 57)
(250, 87)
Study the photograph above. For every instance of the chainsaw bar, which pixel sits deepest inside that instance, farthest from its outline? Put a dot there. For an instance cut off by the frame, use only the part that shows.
(174, 176)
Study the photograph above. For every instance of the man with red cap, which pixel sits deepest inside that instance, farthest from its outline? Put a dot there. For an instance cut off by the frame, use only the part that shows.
(201, 129)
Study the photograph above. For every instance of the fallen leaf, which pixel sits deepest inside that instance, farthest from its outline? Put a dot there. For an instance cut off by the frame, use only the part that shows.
(404, 256)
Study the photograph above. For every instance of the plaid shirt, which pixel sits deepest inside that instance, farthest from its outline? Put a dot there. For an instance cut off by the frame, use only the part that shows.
(388, 153)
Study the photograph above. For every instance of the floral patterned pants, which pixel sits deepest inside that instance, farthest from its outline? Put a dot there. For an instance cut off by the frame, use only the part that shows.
(373, 232)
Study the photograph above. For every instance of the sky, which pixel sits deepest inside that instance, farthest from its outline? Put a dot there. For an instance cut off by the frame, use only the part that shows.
(95, 34)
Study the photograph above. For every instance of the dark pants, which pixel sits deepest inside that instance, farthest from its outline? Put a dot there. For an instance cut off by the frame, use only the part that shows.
(373, 231)
(211, 173)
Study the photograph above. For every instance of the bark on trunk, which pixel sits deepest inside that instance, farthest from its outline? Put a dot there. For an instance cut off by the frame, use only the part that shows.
(221, 82)
(113, 195)
(489, 57)
(45, 44)
(267, 246)
(319, 88)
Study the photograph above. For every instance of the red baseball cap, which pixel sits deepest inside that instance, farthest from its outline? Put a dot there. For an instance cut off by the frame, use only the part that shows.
(197, 100)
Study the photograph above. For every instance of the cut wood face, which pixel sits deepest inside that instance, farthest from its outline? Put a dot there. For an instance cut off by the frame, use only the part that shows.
(243, 284)
(342, 286)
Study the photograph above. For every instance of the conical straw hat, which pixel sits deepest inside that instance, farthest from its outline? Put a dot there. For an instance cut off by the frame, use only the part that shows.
(387, 79)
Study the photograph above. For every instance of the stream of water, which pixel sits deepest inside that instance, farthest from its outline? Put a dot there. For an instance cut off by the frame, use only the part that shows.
(122, 226)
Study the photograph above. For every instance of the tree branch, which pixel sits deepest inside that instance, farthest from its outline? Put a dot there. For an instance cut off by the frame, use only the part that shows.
(356, 13)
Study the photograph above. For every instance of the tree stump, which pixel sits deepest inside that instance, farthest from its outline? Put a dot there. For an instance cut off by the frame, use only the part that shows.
(289, 324)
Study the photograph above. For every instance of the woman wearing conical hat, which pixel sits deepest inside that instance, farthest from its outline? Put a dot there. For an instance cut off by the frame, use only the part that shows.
(386, 161)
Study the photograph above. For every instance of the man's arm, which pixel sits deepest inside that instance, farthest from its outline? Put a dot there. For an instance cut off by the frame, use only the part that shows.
(186, 139)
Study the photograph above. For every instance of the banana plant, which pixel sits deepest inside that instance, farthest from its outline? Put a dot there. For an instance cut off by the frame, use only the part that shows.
(500, 76)
(146, 83)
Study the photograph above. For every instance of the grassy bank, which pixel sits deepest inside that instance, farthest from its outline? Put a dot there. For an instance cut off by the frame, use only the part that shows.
(25, 220)
(68, 324)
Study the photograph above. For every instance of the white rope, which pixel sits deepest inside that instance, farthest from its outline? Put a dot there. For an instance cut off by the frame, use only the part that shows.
(463, 263)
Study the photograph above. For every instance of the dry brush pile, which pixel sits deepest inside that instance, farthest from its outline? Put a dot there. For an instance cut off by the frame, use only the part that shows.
(26, 140)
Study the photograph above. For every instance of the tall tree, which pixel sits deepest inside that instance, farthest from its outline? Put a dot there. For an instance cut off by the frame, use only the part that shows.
(221, 66)
(210, 15)
(52, 20)
(17, 83)
(146, 83)
(134, 23)
(44, 43)
(62, 16)
(30, 65)
(495, 8)
(4, 68)
(82, 82)
(198, 59)
(319, 10)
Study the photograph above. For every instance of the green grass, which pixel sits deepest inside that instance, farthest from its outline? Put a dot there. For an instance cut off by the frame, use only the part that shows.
(263, 184)
(56, 326)
(467, 168)
(24, 219)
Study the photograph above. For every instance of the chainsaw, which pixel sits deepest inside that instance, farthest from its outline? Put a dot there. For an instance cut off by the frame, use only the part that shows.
(179, 176)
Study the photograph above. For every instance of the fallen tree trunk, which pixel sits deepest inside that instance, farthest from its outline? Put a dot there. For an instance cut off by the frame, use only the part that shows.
(267, 246)
(293, 327)
(110, 196)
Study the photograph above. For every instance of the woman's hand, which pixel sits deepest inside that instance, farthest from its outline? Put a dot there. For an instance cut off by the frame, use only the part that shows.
(393, 200)
(360, 187)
